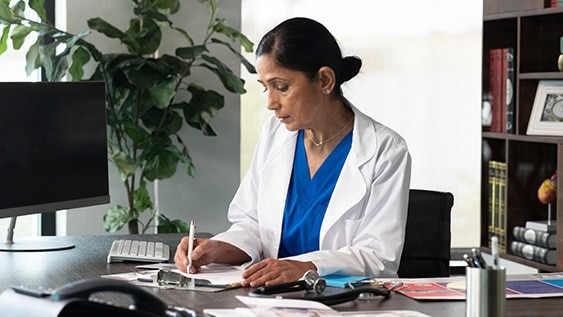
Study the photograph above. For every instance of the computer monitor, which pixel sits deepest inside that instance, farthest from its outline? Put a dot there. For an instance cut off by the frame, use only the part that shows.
(53, 152)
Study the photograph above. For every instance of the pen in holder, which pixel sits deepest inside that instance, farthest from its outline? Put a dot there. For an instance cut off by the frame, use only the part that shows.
(485, 292)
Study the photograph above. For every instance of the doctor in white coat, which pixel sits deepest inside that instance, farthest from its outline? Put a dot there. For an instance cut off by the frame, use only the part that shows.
(328, 186)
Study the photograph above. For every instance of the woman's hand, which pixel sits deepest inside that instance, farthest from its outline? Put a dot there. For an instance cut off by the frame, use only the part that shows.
(270, 271)
(208, 251)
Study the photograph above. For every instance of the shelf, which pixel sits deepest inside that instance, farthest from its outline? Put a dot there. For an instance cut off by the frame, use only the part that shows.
(524, 138)
(525, 160)
(540, 266)
(513, 15)
(541, 76)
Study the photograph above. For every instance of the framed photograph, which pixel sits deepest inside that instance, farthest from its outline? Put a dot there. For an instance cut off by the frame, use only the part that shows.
(547, 112)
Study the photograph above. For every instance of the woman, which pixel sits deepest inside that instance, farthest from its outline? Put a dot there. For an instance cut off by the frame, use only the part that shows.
(327, 189)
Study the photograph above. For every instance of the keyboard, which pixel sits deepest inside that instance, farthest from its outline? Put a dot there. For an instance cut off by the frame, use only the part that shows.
(136, 250)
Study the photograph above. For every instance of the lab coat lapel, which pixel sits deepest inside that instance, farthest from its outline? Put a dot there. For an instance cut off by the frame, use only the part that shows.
(349, 190)
(277, 175)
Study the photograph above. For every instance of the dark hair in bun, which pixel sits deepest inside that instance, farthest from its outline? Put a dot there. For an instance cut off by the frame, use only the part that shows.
(305, 45)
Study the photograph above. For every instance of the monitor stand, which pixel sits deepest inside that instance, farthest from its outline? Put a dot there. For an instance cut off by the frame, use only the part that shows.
(32, 244)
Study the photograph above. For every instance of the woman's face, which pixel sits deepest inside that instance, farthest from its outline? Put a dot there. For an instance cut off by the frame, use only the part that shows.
(295, 99)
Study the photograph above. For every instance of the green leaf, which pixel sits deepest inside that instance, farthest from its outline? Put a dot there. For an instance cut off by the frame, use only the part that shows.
(191, 52)
(135, 132)
(19, 8)
(125, 164)
(166, 4)
(165, 225)
(141, 199)
(202, 107)
(242, 59)
(6, 13)
(105, 28)
(176, 65)
(79, 58)
(232, 82)
(4, 39)
(143, 39)
(163, 93)
(19, 34)
(33, 58)
(161, 163)
(116, 217)
(39, 7)
(222, 27)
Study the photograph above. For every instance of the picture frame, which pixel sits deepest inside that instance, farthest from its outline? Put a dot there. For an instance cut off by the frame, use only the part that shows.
(546, 117)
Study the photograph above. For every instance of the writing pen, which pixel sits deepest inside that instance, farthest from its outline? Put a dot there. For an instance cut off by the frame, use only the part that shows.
(478, 259)
(191, 238)
(494, 251)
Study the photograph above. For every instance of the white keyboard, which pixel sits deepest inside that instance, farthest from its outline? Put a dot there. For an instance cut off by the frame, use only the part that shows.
(135, 250)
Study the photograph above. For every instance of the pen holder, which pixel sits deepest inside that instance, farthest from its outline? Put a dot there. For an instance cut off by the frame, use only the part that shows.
(485, 292)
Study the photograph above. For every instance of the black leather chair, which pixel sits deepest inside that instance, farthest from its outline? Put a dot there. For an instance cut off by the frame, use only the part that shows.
(426, 252)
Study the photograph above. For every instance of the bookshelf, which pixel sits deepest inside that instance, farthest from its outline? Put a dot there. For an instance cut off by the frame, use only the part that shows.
(534, 35)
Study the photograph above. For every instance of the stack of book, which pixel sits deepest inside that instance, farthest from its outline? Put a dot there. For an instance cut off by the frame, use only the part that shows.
(501, 90)
(497, 203)
(556, 3)
(537, 242)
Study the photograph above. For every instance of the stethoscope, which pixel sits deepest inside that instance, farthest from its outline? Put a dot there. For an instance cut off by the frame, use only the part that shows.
(314, 285)
(311, 281)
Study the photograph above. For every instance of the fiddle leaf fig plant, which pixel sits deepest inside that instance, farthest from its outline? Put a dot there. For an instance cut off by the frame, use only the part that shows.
(144, 111)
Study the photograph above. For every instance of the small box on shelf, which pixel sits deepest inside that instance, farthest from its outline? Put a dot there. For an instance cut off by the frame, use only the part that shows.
(542, 225)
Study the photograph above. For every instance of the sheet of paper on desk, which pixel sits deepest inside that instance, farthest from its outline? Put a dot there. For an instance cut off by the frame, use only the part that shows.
(274, 307)
(217, 274)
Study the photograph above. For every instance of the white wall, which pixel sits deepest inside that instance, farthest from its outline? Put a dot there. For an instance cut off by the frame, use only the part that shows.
(421, 76)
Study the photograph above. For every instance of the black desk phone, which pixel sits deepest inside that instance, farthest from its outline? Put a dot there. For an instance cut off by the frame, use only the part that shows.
(74, 299)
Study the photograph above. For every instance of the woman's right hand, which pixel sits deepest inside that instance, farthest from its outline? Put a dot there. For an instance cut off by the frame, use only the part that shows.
(207, 251)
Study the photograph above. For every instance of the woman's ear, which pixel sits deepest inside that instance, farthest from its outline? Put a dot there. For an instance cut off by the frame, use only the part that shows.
(327, 79)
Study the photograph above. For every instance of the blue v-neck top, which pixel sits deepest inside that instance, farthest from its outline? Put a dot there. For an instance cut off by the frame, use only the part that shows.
(307, 198)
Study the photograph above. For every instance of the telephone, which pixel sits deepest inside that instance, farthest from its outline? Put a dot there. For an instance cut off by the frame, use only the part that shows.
(74, 300)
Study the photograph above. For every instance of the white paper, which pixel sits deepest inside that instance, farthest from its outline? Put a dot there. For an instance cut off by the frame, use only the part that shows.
(217, 274)
(272, 302)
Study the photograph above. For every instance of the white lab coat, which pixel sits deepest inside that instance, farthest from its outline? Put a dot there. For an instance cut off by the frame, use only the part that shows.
(363, 230)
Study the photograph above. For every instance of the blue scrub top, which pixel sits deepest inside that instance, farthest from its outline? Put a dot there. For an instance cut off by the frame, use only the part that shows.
(307, 198)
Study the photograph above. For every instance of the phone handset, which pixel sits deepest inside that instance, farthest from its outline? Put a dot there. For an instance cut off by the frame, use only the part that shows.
(142, 299)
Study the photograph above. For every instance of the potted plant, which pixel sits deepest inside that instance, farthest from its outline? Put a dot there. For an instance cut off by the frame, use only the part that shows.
(144, 114)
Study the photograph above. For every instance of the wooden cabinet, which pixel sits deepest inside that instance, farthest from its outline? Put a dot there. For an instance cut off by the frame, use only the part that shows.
(535, 36)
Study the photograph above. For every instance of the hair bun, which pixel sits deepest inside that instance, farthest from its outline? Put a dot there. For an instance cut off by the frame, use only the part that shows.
(350, 67)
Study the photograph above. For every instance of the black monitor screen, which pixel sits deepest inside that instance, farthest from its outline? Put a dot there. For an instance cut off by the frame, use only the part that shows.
(53, 147)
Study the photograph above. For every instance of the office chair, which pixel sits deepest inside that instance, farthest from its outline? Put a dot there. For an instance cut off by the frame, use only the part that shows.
(426, 252)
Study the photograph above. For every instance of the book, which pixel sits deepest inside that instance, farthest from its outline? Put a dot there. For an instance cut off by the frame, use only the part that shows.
(495, 87)
(534, 253)
(501, 87)
(510, 103)
(501, 223)
(542, 225)
(542, 239)
(497, 203)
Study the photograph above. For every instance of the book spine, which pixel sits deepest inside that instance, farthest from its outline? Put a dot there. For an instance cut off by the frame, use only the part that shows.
(495, 80)
(510, 91)
(501, 224)
(535, 237)
(533, 252)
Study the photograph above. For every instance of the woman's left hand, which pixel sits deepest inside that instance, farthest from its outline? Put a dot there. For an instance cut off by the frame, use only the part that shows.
(270, 271)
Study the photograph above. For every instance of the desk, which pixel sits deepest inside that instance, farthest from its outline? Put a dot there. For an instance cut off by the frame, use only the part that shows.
(88, 260)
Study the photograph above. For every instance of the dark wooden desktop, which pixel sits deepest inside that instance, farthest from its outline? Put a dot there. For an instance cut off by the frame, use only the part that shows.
(88, 260)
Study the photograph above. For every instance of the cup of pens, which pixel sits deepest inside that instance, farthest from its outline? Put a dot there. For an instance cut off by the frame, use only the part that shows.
(485, 285)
